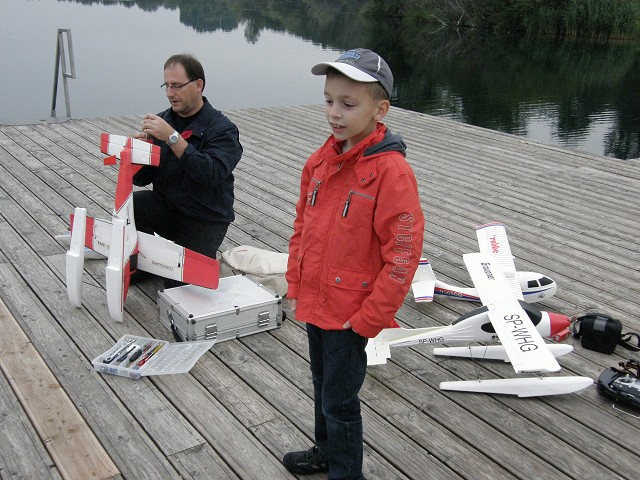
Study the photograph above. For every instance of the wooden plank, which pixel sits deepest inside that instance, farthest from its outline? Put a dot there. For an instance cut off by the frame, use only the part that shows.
(424, 442)
(257, 390)
(129, 445)
(562, 443)
(69, 440)
(620, 274)
(22, 453)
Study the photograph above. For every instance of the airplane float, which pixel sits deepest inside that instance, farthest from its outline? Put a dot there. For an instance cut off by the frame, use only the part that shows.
(492, 238)
(504, 317)
(126, 249)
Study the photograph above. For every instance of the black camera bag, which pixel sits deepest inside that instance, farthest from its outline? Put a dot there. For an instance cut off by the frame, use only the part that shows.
(601, 333)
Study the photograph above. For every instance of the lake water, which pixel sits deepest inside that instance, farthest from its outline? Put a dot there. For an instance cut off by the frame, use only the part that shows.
(579, 95)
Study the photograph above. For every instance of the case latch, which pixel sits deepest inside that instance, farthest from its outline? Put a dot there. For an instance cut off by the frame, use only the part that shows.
(263, 319)
(211, 331)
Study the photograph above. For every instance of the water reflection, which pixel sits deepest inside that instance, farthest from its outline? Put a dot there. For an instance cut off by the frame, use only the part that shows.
(507, 83)
(581, 95)
(581, 88)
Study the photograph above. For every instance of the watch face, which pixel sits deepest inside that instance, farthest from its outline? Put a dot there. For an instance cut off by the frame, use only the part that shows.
(173, 138)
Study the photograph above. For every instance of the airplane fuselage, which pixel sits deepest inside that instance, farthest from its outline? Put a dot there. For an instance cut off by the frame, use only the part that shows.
(475, 326)
(535, 288)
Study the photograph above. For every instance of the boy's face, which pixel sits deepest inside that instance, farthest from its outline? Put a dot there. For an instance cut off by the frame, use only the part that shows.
(350, 109)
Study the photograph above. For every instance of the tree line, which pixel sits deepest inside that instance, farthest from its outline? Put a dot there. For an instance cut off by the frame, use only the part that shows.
(600, 19)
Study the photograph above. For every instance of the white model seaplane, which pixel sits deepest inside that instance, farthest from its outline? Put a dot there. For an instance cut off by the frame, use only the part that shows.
(504, 317)
(126, 249)
(492, 238)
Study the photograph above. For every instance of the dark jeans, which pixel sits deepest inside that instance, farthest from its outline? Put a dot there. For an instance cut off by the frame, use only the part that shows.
(153, 215)
(338, 368)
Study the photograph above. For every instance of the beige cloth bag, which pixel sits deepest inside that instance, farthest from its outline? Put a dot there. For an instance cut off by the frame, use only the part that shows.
(264, 266)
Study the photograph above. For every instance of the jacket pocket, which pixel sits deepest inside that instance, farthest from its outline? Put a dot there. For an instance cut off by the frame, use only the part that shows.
(346, 290)
(358, 209)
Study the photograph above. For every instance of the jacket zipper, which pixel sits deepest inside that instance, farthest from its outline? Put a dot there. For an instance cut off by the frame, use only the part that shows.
(314, 194)
(345, 210)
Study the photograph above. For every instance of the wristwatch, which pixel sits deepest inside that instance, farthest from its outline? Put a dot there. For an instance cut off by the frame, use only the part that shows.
(173, 138)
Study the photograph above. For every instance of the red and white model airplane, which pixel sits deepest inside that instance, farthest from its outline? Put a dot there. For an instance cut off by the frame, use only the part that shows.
(492, 238)
(127, 249)
(504, 317)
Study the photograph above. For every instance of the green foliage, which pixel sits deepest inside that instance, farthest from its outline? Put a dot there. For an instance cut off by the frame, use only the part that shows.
(583, 18)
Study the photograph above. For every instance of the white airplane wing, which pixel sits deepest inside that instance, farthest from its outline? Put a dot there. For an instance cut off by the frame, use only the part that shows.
(424, 282)
(142, 153)
(525, 347)
(492, 239)
(167, 259)
(99, 235)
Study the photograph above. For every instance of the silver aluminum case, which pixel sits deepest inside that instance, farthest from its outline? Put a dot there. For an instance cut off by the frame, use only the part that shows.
(239, 306)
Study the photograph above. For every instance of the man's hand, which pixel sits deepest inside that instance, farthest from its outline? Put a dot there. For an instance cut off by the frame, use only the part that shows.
(155, 126)
(141, 136)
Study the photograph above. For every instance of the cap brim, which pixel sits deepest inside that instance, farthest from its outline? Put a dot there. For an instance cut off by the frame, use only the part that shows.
(349, 70)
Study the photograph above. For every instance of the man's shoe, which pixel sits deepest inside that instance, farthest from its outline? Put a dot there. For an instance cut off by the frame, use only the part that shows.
(306, 462)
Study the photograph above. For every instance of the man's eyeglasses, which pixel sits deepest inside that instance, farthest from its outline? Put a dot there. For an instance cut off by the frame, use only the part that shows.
(174, 87)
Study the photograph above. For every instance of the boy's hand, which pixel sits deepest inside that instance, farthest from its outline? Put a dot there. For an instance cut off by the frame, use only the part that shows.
(293, 304)
(347, 326)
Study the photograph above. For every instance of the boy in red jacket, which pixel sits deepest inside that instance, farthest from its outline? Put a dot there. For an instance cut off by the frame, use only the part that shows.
(356, 244)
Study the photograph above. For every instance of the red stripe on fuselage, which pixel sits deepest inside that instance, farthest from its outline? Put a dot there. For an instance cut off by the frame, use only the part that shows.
(124, 188)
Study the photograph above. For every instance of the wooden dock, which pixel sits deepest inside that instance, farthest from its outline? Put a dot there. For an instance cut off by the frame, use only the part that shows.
(247, 402)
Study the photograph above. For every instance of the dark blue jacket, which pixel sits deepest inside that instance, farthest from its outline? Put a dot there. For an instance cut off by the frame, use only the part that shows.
(200, 183)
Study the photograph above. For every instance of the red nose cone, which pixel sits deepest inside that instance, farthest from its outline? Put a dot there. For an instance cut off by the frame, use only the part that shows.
(559, 326)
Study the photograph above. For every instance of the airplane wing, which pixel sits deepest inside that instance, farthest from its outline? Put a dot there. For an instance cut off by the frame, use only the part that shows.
(97, 236)
(525, 347)
(142, 153)
(165, 258)
(492, 239)
(424, 282)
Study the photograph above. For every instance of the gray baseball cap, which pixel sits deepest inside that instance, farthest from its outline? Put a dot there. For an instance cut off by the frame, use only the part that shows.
(361, 65)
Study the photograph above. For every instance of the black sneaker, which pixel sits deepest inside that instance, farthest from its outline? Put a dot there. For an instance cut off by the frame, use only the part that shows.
(306, 462)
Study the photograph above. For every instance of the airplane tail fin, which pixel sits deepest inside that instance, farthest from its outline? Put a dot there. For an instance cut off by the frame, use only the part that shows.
(424, 282)
(377, 352)
(379, 348)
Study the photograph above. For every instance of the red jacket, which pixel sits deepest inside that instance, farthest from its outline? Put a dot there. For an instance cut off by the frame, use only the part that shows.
(357, 235)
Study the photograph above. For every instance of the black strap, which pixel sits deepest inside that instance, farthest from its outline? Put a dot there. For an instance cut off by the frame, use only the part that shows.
(630, 367)
(625, 341)
(176, 333)
(574, 327)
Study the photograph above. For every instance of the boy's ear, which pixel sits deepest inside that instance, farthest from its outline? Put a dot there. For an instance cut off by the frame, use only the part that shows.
(382, 109)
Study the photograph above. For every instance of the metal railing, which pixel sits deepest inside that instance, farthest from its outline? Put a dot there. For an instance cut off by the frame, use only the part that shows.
(61, 58)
